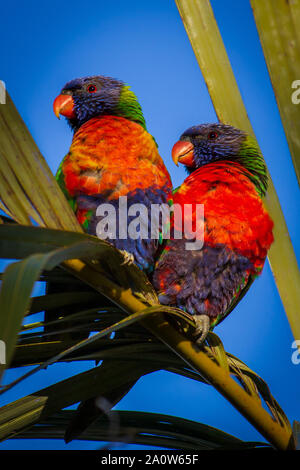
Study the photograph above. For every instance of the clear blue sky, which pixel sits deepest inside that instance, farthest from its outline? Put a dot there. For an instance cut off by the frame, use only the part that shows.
(144, 43)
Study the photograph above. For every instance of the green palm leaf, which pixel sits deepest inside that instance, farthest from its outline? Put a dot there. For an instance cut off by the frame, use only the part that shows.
(132, 427)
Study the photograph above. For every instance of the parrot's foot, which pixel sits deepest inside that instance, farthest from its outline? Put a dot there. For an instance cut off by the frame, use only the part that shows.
(202, 328)
(128, 257)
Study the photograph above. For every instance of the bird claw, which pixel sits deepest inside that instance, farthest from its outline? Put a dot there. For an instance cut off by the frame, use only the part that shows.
(128, 257)
(202, 328)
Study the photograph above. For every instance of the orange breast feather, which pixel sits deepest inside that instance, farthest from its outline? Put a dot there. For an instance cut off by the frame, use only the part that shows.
(110, 155)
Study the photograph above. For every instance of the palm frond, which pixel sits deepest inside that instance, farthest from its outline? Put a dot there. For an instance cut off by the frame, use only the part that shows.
(278, 28)
(142, 350)
(132, 427)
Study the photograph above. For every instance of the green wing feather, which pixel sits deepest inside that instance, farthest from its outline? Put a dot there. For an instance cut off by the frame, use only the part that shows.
(60, 178)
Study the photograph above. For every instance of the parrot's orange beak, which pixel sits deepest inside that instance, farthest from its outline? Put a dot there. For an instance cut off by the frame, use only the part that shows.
(64, 104)
(183, 152)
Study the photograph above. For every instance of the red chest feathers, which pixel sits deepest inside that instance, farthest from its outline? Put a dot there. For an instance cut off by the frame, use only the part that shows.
(234, 214)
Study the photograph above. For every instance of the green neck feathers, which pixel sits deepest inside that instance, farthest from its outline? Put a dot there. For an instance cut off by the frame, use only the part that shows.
(251, 158)
(129, 107)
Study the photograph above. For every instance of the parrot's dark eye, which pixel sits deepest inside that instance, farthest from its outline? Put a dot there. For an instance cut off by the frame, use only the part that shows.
(92, 88)
(212, 135)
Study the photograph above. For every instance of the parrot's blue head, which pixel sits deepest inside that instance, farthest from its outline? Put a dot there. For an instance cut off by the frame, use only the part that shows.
(82, 99)
(209, 143)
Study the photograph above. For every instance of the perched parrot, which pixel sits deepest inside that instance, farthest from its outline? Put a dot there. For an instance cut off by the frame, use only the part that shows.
(111, 155)
(227, 174)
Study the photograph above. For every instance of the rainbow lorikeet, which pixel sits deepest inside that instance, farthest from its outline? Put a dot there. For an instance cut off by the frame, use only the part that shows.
(227, 174)
(111, 156)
